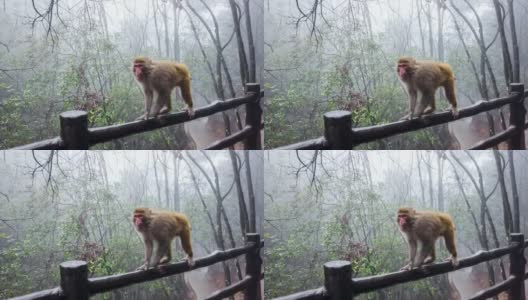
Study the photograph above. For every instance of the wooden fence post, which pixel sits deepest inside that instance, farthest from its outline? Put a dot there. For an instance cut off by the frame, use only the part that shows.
(254, 118)
(338, 129)
(517, 118)
(338, 280)
(253, 267)
(517, 266)
(74, 130)
(74, 280)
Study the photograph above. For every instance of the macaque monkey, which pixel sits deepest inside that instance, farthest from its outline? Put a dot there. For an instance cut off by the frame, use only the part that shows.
(421, 229)
(157, 80)
(158, 228)
(420, 80)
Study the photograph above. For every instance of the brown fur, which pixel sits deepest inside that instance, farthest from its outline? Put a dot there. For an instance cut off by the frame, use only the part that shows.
(157, 79)
(421, 79)
(162, 227)
(424, 228)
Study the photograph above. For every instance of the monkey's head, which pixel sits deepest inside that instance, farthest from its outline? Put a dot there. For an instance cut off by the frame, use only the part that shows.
(405, 66)
(141, 67)
(405, 216)
(141, 217)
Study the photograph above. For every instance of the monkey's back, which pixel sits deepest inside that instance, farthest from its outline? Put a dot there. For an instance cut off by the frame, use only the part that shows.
(168, 223)
(433, 224)
(169, 73)
(433, 73)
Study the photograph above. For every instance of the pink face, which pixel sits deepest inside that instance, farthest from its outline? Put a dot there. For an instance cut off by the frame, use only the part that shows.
(402, 69)
(402, 220)
(138, 70)
(138, 220)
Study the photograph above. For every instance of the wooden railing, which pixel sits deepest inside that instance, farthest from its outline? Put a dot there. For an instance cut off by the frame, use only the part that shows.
(339, 134)
(339, 284)
(75, 284)
(75, 134)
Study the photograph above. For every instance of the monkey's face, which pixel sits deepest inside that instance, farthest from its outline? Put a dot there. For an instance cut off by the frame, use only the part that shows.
(138, 69)
(403, 220)
(138, 220)
(404, 67)
(405, 217)
(141, 67)
(140, 217)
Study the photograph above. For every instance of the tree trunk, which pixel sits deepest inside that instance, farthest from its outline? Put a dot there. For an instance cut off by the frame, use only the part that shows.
(243, 214)
(158, 35)
(251, 194)
(166, 28)
(515, 44)
(166, 180)
(176, 10)
(176, 182)
(441, 205)
(515, 194)
(156, 177)
(507, 214)
(441, 8)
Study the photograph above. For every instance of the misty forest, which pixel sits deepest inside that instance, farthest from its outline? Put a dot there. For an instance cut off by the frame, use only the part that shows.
(59, 206)
(342, 205)
(322, 56)
(58, 56)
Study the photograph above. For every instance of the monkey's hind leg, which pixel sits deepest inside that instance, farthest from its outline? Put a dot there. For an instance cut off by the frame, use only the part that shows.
(449, 88)
(185, 238)
(159, 103)
(425, 98)
(424, 248)
(449, 238)
(160, 252)
(168, 255)
(432, 257)
(430, 109)
(186, 91)
(166, 105)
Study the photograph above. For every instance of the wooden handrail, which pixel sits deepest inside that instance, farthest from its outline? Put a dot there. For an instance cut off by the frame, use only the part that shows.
(314, 144)
(112, 282)
(339, 134)
(232, 139)
(109, 133)
(372, 283)
(494, 290)
(231, 290)
(75, 134)
(340, 285)
(75, 284)
(51, 144)
(315, 294)
(495, 140)
(51, 294)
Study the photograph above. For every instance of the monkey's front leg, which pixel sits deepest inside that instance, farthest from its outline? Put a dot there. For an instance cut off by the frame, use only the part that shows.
(148, 105)
(148, 254)
(424, 248)
(412, 105)
(190, 110)
(412, 255)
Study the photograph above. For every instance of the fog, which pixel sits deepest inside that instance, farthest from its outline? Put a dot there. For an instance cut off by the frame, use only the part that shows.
(77, 205)
(341, 205)
(65, 55)
(340, 55)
